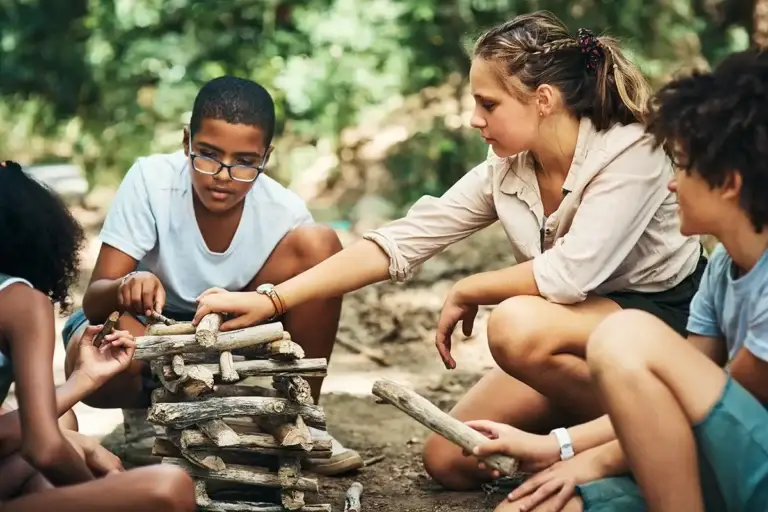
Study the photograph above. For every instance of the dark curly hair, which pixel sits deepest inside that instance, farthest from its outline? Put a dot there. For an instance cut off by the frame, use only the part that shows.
(41, 240)
(716, 122)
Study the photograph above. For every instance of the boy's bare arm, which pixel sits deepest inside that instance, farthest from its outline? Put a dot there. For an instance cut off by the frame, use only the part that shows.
(101, 297)
(752, 373)
(713, 347)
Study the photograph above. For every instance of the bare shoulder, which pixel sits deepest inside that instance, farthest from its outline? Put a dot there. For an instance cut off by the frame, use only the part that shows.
(22, 305)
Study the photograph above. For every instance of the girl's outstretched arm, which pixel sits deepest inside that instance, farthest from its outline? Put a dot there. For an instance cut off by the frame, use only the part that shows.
(27, 325)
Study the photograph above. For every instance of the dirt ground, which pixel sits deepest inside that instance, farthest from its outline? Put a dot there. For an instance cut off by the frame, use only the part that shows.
(398, 321)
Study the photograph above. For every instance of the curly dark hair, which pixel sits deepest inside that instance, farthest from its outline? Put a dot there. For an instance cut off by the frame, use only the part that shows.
(41, 240)
(715, 123)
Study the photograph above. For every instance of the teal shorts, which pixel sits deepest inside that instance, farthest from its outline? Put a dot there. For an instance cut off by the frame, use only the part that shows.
(732, 444)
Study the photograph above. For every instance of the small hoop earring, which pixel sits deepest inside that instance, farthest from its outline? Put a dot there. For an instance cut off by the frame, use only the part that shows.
(541, 114)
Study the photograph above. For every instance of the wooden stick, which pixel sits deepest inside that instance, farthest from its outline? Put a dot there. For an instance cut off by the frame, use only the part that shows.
(183, 414)
(161, 329)
(293, 388)
(304, 367)
(226, 364)
(251, 506)
(177, 363)
(219, 432)
(194, 381)
(282, 350)
(288, 474)
(204, 460)
(352, 498)
(201, 494)
(153, 347)
(292, 433)
(208, 330)
(158, 318)
(219, 390)
(426, 413)
(242, 474)
(250, 444)
(109, 326)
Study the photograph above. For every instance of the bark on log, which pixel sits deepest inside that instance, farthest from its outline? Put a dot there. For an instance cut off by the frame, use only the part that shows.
(288, 475)
(109, 326)
(426, 413)
(204, 460)
(208, 330)
(352, 499)
(195, 380)
(219, 432)
(316, 367)
(170, 330)
(152, 347)
(288, 433)
(201, 494)
(242, 474)
(252, 506)
(293, 388)
(183, 414)
(258, 443)
(281, 350)
(226, 364)
(156, 317)
(219, 390)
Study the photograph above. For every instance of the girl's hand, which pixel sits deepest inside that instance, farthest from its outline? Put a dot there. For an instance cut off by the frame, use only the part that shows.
(453, 310)
(99, 460)
(556, 485)
(248, 308)
(112, 357)
(533, 451)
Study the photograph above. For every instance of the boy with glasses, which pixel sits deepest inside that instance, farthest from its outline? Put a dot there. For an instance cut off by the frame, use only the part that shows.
(207, 216)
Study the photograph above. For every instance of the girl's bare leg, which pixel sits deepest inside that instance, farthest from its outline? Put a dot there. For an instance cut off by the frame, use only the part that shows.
(655, 385)
(154, 488)
(574, 505)
(541, 349)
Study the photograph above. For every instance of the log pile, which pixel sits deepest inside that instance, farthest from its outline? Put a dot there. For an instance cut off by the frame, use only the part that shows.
(236, 439)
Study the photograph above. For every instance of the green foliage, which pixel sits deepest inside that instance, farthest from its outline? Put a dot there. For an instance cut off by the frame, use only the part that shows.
(102, 82)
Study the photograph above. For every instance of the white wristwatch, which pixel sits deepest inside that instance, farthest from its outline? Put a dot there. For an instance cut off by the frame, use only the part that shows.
(564, 440)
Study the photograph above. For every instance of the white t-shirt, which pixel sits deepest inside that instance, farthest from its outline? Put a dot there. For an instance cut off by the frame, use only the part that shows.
(152, 220)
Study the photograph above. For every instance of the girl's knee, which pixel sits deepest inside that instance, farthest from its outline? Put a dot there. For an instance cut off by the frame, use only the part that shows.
(443, 463)
(519, 331)
(621, 341)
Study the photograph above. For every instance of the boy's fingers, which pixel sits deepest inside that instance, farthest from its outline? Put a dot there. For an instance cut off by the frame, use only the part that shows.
(159, 298)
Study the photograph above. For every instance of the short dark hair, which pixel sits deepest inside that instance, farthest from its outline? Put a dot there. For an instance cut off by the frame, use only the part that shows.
(41, 240)
(714, 123)
(237, 101)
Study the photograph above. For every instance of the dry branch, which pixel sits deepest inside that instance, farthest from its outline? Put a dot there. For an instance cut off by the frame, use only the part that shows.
(293, 388)
(251, 506)
(256, 443)
(219, 432)
(208, 330)
(316, 367)
(109, 326)
(243, 474)
(182, 414)
(426, 413)
(226, 364)
(219, 390)
(152, 347)
(352, 498)
(169, 330)
(288, 433)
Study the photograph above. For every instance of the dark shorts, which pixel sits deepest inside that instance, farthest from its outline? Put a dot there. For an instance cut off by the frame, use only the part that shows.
(671, 306)
(732, 443)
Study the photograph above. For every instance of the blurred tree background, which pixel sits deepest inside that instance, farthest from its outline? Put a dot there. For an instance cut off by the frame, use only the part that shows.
(371, 94)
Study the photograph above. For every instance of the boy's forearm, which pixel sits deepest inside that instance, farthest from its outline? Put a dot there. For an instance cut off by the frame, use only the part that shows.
(591, 434)
(63, 465)
(100, 300)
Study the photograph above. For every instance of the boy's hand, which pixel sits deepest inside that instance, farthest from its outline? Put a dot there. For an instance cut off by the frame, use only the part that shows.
(535, 452)
(248, 308)
(556, 485)
(102, 363)
(141, 293)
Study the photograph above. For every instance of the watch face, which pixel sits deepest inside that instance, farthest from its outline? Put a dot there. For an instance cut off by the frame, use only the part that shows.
(264, 288)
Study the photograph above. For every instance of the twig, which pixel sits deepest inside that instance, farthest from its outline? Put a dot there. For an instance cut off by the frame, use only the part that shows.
(108, 327)
(158, 318)
(352, 498)
(373, 460)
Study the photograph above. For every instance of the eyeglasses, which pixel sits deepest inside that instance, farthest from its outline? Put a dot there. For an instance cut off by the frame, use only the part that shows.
(212, 167)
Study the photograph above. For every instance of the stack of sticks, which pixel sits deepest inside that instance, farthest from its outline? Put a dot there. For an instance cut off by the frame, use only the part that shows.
(236, 438)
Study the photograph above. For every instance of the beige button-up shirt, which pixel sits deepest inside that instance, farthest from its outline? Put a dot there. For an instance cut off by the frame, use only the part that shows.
(617, 227)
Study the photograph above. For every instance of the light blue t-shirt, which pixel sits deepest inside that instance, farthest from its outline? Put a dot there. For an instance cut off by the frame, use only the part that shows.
(152, 220)
(734, 309)
(6, 367)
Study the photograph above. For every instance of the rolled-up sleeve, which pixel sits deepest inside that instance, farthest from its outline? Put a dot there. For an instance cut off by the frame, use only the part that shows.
(433, 223)
(615, 210)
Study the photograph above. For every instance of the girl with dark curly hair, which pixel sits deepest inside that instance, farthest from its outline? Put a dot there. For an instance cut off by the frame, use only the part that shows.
(38, 263)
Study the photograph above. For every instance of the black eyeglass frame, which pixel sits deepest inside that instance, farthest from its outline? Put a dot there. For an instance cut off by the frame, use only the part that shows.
(259, 169)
